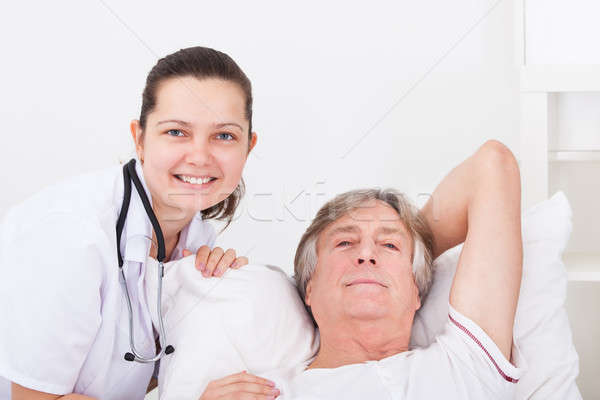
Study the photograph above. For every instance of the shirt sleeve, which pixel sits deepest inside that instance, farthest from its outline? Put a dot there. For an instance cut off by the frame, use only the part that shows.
(463, 362)
(50, 301)
(477, 356)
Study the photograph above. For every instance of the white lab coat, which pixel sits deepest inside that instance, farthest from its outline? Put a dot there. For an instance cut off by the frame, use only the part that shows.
(64, 316)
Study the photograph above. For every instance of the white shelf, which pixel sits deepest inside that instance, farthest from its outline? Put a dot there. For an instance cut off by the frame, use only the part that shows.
(583, 266)
(560, 78)
(574, 155)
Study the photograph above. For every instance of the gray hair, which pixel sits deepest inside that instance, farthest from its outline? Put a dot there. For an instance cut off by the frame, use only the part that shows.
(305, 260)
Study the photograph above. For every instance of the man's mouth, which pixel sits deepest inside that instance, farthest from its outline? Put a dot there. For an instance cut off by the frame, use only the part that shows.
(365, 282)
(195, 180)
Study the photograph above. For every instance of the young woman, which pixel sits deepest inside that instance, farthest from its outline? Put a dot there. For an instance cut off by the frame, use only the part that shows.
(65, 318)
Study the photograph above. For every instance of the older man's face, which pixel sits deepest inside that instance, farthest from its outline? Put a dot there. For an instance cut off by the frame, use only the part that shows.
(364, 268)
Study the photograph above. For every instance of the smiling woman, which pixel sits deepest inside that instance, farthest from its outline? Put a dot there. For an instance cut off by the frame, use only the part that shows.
(192, 140)
(200, 100)
(193, 146)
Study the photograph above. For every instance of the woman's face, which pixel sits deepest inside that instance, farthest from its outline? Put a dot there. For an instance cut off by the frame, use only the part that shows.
(194, 146)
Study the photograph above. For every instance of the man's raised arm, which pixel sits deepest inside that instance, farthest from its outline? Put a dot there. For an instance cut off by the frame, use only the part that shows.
(479, 202)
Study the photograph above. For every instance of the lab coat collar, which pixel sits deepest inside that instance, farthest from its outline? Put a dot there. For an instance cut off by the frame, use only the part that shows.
(191, 237)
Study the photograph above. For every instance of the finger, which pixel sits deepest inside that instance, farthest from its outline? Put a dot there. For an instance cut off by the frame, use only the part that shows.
(202, 258)
(250, 388)
(186, 252)
(213, 260)
(240, 262)
(242, 377)
(246, 396)
(225, 262)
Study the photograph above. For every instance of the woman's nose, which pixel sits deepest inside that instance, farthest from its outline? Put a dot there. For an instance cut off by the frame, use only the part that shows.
(199, 153)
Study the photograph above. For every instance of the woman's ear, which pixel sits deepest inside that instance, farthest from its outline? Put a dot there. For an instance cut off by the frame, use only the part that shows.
(136, 134)
(252, 142)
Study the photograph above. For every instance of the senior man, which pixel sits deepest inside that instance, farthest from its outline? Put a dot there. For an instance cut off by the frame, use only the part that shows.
(354, 268)
(363, 269)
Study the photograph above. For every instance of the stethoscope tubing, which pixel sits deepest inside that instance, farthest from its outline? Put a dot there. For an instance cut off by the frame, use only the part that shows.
(129, 174)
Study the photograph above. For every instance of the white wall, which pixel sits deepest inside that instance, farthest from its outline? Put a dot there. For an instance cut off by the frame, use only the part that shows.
(562, 32)
(424, 83)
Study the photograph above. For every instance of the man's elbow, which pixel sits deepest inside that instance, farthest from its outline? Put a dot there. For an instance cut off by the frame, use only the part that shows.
(496, 159)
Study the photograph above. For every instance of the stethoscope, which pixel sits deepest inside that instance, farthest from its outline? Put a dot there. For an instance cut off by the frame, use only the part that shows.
(129, 174)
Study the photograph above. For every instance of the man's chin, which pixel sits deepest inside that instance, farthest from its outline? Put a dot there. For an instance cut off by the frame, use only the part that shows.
(368, 310)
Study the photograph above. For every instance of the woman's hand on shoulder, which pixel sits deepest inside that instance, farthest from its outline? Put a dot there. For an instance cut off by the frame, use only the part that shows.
(243, 386)
(216, 261)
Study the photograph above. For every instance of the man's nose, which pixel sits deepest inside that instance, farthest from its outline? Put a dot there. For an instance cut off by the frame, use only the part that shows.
(371, 261)
(367, 254)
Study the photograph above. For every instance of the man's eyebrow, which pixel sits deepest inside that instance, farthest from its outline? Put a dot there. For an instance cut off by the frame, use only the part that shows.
(388, 230)
(177, 121)
(344, 229)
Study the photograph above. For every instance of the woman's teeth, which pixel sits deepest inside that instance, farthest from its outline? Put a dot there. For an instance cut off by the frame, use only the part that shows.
(195, 181)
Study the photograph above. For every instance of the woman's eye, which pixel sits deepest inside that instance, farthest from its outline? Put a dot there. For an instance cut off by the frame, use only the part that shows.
(343, 243)
(225, 136)
(390, 246)
(174, 132)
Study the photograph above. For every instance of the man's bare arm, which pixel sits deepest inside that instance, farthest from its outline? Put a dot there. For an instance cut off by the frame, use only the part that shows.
(479, 202)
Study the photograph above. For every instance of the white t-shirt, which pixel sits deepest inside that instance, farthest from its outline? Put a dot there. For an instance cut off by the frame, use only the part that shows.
(64, 316)
(462, 363)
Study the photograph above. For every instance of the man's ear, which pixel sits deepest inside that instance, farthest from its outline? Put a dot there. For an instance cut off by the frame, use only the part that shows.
(308, 292)
(418, 302)
(136, 134)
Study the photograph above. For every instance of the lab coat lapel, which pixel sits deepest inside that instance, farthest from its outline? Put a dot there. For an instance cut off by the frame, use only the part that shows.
(191, 237)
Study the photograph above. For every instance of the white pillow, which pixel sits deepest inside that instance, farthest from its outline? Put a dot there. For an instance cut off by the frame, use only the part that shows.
(542, 330)
(250, 319)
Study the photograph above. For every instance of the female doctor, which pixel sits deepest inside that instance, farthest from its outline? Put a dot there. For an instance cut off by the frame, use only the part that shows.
(65, 317)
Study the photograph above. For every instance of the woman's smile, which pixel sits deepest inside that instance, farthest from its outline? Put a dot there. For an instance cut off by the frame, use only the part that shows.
(195, 183)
